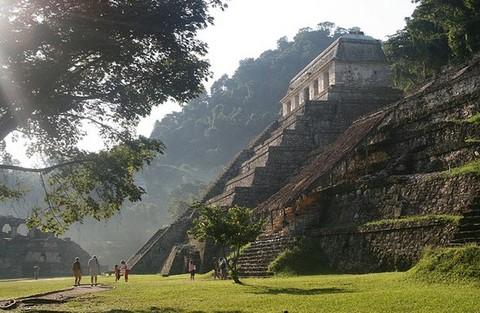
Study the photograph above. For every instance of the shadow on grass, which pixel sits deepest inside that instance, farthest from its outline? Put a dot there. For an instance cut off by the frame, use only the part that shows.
(166, 310)
(45, 311)
(265, 290)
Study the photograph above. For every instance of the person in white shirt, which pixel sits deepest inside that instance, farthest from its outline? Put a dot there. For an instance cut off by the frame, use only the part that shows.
(94, 268)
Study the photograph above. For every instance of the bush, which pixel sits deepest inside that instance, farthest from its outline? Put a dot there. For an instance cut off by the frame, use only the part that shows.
(448, 265)
(305, 258)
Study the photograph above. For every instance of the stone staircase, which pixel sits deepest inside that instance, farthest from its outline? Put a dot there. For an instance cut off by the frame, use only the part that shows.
(469, 228)
(273, 158)
(254, 261)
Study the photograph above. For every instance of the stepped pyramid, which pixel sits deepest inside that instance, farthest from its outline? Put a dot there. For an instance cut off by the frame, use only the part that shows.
(347, 80)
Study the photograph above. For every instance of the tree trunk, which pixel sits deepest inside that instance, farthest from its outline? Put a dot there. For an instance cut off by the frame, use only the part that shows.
(232, 267)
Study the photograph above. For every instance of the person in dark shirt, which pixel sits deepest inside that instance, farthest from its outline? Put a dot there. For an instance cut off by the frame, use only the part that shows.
(77, 271)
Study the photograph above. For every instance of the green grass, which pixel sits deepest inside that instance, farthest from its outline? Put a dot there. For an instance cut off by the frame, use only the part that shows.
(386, 292)
(21, 288)
(472, 167)
(454, 219)
(449, 265)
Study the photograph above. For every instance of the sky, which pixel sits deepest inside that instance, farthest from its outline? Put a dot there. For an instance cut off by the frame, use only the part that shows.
(249, 27)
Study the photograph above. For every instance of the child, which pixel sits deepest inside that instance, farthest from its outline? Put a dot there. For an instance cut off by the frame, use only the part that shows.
(117, 273)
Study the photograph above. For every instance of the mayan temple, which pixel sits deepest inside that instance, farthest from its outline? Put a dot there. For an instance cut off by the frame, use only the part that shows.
(347, 150)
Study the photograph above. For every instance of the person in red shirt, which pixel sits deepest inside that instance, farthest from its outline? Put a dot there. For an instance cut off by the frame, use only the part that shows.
(124, 268)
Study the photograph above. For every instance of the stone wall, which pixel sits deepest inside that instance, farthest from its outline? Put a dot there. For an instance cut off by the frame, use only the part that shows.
(54, 256)
(150, 258)
(380, 248)
(399, 169)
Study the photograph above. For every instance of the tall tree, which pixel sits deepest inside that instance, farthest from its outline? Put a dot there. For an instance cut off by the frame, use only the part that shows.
(439, 32)
(64, 63)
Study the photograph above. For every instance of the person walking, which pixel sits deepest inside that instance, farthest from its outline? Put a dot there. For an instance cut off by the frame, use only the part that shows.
(94, 269)
(36, 272)
(124, 268)
(77, 271)
(216, 269)
(117, 273)
(223, 268)
(192, 269)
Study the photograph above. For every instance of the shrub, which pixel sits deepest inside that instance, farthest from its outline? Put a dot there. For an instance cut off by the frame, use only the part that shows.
(305, 258)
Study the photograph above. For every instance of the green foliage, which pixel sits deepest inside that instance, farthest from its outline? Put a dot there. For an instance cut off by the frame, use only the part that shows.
(438, 33)
(304, 258)
(404, 220)
(472, 167)
(95, 186)
(448, 265)
(106, 62)
(474, 119)
(230, 228)
(65, 64)
(182, 198)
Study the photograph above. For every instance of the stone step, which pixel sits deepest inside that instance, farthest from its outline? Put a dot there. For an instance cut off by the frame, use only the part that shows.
(277, 157)
(255, 274)
(468, 234)
(470, 219)
(261, 176)
(286, 138)
(255, 260)
(465, 240)
(472, 213)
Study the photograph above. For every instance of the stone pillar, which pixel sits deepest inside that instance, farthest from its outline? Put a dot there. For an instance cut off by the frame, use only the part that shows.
(13, 231)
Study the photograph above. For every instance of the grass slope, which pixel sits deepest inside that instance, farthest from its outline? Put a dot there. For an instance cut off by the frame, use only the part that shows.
(386, 292)
(449, 265)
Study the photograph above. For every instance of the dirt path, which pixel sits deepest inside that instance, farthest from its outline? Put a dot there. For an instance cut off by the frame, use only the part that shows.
(53, 297)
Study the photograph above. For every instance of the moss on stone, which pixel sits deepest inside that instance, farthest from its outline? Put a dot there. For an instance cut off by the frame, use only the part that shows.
(406, 220)
(472, 167)
(474, 119)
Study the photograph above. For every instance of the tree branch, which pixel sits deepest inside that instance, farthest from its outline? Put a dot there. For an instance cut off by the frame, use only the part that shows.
(43, 170)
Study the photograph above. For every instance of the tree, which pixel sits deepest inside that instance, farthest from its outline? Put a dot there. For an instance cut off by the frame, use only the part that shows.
(229, 228)
(65, 63)
(438, 33)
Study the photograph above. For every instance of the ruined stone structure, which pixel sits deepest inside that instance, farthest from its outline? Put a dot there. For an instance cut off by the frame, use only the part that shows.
(345, 153)
(20, 251)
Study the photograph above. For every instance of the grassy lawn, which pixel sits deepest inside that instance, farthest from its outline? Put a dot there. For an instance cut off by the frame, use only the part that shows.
(20, 288)
(386, 292)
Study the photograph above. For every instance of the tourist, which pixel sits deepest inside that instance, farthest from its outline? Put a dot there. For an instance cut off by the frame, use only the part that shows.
(192, 269)
(77, 271)
(216, 269)
(124, 269)
(94, 268)
(223, 268)
(36, 272)
(117, 273)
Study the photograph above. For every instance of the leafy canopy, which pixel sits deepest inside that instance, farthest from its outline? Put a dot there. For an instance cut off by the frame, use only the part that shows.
(439, 32)
(229, 228)
(103, 62)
